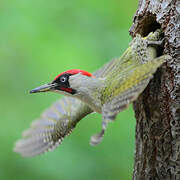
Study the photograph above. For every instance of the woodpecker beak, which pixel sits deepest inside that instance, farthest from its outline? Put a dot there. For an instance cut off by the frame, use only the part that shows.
(44, 88)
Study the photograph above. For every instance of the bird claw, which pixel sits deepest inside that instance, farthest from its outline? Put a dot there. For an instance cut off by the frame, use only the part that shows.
(156, 43)
(97, 138)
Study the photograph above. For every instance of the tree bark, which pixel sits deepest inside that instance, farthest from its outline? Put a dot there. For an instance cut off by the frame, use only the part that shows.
(157, 110)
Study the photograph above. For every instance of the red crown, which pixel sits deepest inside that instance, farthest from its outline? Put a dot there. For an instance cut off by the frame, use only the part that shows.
(75, 71)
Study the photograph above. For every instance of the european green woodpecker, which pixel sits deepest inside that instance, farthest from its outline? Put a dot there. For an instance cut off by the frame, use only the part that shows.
(108, 91)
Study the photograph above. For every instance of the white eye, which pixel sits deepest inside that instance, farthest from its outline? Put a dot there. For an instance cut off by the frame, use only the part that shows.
(63, 79)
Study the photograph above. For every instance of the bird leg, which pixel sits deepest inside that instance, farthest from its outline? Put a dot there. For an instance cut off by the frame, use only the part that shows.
(97, 138)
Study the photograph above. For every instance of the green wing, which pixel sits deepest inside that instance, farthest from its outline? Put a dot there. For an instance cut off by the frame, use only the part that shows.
(123, 89)
(47, 132)
(128, 84)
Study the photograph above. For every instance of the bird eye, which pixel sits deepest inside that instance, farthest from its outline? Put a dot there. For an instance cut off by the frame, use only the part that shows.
(63, 79)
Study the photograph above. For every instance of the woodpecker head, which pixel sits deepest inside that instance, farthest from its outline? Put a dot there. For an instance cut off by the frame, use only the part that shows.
(67, 83)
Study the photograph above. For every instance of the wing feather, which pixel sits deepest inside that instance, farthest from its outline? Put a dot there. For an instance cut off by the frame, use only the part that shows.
(123, 89)
(47, 132)
(128, 88)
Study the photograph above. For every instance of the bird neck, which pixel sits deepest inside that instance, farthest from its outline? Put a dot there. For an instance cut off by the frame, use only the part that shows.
(88, 90)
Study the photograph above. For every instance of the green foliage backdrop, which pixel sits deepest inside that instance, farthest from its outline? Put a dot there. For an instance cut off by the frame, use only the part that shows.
(38, 40)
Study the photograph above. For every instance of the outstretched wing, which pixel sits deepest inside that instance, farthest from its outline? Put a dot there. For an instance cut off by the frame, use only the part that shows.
(124, 90)
(47, 132)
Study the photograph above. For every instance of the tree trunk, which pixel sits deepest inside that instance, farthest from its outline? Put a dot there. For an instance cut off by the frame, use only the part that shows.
(157, 110)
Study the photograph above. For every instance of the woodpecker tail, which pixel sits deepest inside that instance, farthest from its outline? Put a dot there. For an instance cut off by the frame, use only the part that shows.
(47, 132)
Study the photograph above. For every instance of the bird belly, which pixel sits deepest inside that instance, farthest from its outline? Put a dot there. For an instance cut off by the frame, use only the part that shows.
(94, 104)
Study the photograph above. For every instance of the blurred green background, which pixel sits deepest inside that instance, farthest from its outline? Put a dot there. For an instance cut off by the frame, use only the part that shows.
(38, 40)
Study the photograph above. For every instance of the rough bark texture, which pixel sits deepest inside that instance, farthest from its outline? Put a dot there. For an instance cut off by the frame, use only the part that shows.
(157, 110)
